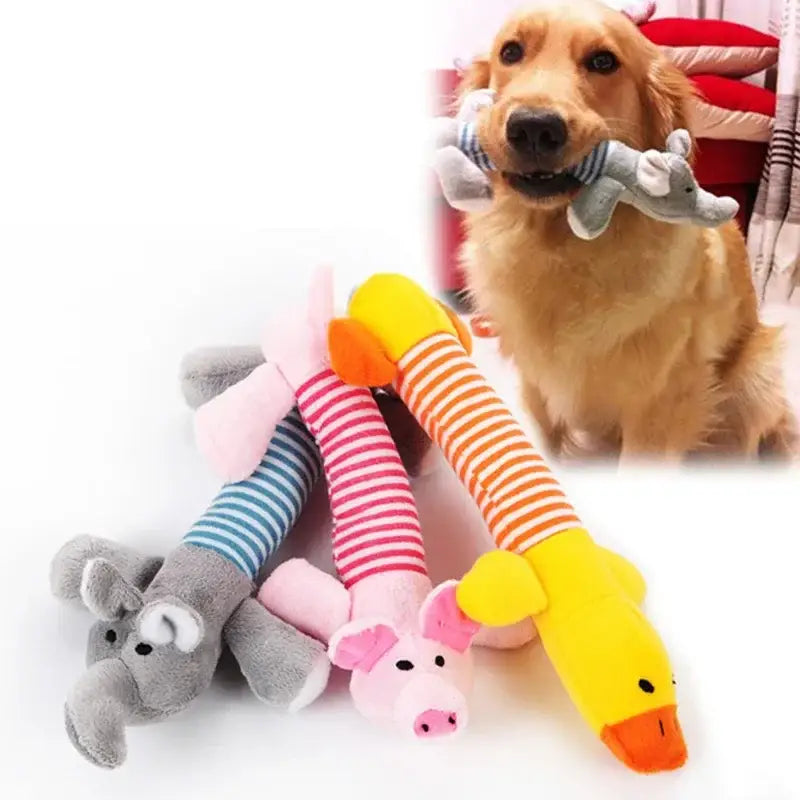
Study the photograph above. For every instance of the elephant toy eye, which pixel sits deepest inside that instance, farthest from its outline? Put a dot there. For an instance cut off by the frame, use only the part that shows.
(404, 665)
(143, 649)
(646, 686)
(111, 636)
(439, 661)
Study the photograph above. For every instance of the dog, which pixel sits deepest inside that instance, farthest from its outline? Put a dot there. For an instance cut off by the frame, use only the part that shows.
(645, 342)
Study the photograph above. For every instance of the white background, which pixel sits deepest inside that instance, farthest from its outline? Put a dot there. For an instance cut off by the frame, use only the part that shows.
(170, 172)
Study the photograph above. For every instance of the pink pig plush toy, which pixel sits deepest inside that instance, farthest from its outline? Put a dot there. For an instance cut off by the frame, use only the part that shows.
(406, 643)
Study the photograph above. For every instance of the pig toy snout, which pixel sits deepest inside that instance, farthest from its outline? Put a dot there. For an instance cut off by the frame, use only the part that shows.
(432, 706)
(434, 722)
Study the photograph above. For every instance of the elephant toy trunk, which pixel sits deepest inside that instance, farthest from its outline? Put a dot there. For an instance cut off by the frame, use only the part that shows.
(100, 705)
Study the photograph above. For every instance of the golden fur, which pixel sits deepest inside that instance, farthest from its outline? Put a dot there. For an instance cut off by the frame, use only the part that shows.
(646, 339)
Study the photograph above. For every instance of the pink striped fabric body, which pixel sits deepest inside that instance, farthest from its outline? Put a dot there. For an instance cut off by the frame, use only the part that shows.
(375, 524)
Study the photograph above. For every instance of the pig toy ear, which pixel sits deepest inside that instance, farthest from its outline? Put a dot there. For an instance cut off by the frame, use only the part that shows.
(360, 645)
(442, 620)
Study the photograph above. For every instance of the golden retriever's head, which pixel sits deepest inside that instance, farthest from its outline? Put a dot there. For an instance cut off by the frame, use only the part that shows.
(567, 75)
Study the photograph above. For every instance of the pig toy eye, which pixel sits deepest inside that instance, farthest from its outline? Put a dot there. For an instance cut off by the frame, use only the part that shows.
(404, 664)
(439, 661)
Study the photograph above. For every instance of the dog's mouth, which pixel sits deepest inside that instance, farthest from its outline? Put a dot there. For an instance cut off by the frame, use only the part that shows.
(542, 185)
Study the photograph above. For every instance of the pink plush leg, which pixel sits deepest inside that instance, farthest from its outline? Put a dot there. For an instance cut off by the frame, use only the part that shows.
(298, 343)
(234, 429)
(508, 638)
(430, 462)
(396, 596)
(306, 597)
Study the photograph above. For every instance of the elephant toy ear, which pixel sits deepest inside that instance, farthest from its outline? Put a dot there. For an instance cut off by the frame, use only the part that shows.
(652, 173)
(106, 593)
(474, 102)
(679, 142)
(170, 621)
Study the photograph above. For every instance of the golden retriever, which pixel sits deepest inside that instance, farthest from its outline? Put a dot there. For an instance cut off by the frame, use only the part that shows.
(646, 339)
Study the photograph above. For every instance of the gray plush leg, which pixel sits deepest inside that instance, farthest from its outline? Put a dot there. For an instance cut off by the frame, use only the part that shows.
(283, 666)
(590, 213)
(66, 569)
(209, 371)
(97, 709)
(464, 185)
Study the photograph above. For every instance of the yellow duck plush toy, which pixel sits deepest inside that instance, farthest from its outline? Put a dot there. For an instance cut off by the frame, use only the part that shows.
(584, 599)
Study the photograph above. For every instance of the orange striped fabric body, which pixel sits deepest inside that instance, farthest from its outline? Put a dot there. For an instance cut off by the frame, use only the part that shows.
(517, 494)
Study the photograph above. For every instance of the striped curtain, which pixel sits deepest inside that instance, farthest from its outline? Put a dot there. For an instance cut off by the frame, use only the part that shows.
(774, 235)
(754, 13)
(701, 9)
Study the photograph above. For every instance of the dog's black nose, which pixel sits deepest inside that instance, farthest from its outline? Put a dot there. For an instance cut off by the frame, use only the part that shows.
(534, 133)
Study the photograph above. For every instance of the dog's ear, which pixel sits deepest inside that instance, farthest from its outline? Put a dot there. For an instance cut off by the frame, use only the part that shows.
(476, 75)
(666, 95)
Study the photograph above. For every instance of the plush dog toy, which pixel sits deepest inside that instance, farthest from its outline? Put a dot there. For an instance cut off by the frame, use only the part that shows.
(162, 623)
(462, 164)
(406, 643)
(584, 599)
(659, 184)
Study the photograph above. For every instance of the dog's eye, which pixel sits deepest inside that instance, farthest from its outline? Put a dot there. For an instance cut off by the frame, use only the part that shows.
(511, 53)
(603, 61)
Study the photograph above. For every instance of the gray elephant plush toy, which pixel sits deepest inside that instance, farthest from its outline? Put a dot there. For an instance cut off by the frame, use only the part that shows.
(459, 161)
(659, 184)
(162, 623)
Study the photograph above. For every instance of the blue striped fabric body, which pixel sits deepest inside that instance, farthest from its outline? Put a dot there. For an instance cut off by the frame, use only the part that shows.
(469, 145)
(590, 169)
(586, 171)
(248, 520)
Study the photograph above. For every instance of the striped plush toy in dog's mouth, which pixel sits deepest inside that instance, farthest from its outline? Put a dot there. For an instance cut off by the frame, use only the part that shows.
(660, 184)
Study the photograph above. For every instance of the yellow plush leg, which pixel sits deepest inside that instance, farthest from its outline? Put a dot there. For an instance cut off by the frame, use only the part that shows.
(500, 589)
(627, 575)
